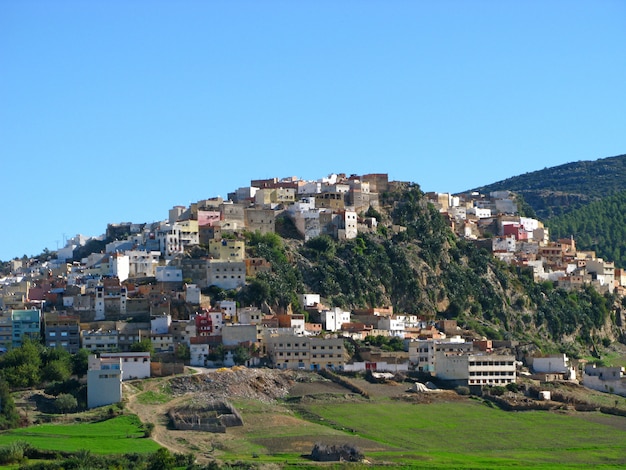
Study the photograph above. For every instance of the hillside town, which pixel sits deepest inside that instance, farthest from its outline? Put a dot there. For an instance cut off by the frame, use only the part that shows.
(148, 287)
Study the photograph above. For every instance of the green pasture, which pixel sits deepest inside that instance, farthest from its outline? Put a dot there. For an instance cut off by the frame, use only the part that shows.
(119, 435)
(465, 435)
(471, 434)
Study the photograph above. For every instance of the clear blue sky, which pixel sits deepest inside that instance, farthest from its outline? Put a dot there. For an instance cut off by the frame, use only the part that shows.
(116, 111)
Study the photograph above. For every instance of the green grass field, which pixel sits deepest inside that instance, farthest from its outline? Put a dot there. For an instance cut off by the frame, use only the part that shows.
(119, 435)
(473, 435)
(466, 434)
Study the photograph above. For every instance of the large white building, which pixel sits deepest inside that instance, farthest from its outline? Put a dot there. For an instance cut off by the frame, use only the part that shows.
(475, 369)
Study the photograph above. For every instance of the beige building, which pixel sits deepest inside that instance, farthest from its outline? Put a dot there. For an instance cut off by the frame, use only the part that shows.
(330, 200)
(307, 353)
(260, 220)
(233, 335)
(226, 274)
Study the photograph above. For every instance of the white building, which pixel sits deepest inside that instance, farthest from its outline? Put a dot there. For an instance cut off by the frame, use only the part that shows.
(226, 274)
(422, 353)
(348, 226)
(476, 369)
(143, 263)
(198, 354)
(481, 213)
(104, 381)
(309, 300)
(99, 340)
(229, 307)
(507, 244)
(119, 266)
(603, 271)
(333, 319)
(557, 363)
(168, 274)
(605, 379)
(169, 238)
(161, 324)
(394, 324)
(310, 187)
(135, 365)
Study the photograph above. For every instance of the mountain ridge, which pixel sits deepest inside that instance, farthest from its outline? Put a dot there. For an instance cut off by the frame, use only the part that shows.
(560, 189)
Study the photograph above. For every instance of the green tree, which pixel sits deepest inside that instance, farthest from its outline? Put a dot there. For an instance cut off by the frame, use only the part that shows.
(182, 352)
(162, 459)
(56, 371)
(241, 354)
(65, 403)
(217, 353)
(80, 362)
(145, 345)
(21, 366)
(9, 417)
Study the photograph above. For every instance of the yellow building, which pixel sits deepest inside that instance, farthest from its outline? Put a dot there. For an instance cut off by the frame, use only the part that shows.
(227, 249)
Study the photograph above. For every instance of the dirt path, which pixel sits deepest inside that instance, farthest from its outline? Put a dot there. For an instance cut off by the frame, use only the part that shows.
(183, 442)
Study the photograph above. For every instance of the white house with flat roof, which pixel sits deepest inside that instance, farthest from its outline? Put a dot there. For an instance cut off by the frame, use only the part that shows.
(104, 381)
(135, 365)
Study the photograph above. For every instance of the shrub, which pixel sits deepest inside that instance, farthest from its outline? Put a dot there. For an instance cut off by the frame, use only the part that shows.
(148, 428)
(336, 453)
(462, 390)
(512, 387)
(65, 403)
(497, 391)
(13, 453)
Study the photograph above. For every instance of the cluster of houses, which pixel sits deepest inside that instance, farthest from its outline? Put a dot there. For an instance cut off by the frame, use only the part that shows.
(492, 221)
(147, 284)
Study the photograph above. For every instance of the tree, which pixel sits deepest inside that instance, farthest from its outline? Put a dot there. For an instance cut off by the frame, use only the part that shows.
(65, 403)
(56, 371)
(9, 418)
(80, 362)
(21, 366)
(162, 459)
(182, 352)
(145, 345)
(241, 355)
(218, 353)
